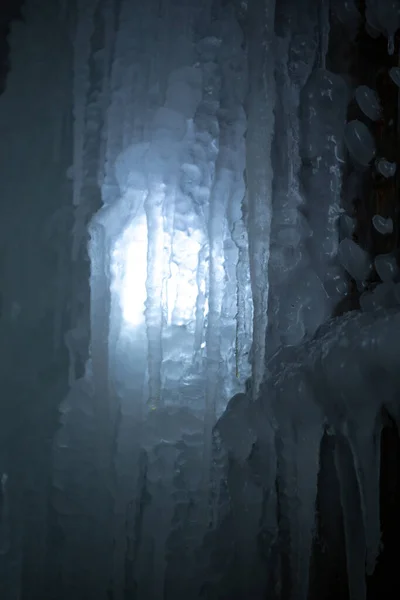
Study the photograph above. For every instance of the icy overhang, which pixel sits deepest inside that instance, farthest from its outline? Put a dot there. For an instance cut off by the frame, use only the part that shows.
(338, 382)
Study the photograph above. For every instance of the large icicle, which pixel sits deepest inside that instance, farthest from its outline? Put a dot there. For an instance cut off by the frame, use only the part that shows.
(299, 433)
(353, 529)
(261, 102)
(154, 316)
(84, 32)
(364, 438)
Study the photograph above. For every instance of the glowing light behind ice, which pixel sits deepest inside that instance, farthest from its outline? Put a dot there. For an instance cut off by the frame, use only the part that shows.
(130, 271)
(177, 270)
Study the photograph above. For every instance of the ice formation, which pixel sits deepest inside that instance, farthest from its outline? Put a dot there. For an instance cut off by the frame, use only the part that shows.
(385, 168)
(385, 18)
(386, 267)
(360, 142)
(383, 225)
(368, 101)
(208, 148)
(311, 388)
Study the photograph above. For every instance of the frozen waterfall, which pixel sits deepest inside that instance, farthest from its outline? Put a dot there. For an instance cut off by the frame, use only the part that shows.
(185, 181)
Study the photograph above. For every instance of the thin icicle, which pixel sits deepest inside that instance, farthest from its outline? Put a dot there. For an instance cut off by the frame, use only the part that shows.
(300, 429)
(259, 174)
(324, 24)
(109, 40)
(154, 284)
(218, 201)
(84, 32)
(364, 439)
(353, 527)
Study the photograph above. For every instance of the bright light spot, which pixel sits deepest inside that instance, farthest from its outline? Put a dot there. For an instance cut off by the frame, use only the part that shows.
(178, 264)
(130, 271)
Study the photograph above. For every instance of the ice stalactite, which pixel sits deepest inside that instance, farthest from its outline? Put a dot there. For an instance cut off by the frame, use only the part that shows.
(324, 30)
(384, 17)
(364, 437)
(259, 175)
(108, 11)
(290, 230)
(299, 433)
(353, 529)
(82, 47)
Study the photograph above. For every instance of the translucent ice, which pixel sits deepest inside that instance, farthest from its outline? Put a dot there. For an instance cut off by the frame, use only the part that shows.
(354, 259)
(360, 142)
(386, 168)
(382, 225)
(368, 101)
(386, 267)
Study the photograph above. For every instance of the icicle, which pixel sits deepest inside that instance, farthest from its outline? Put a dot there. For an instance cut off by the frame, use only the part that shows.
(153, 312)
(109, 40)
(84, 31)
(300, 430)
(259, 136)
(364, 439)
(353, 528)
(324, 24)
(216, 289)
